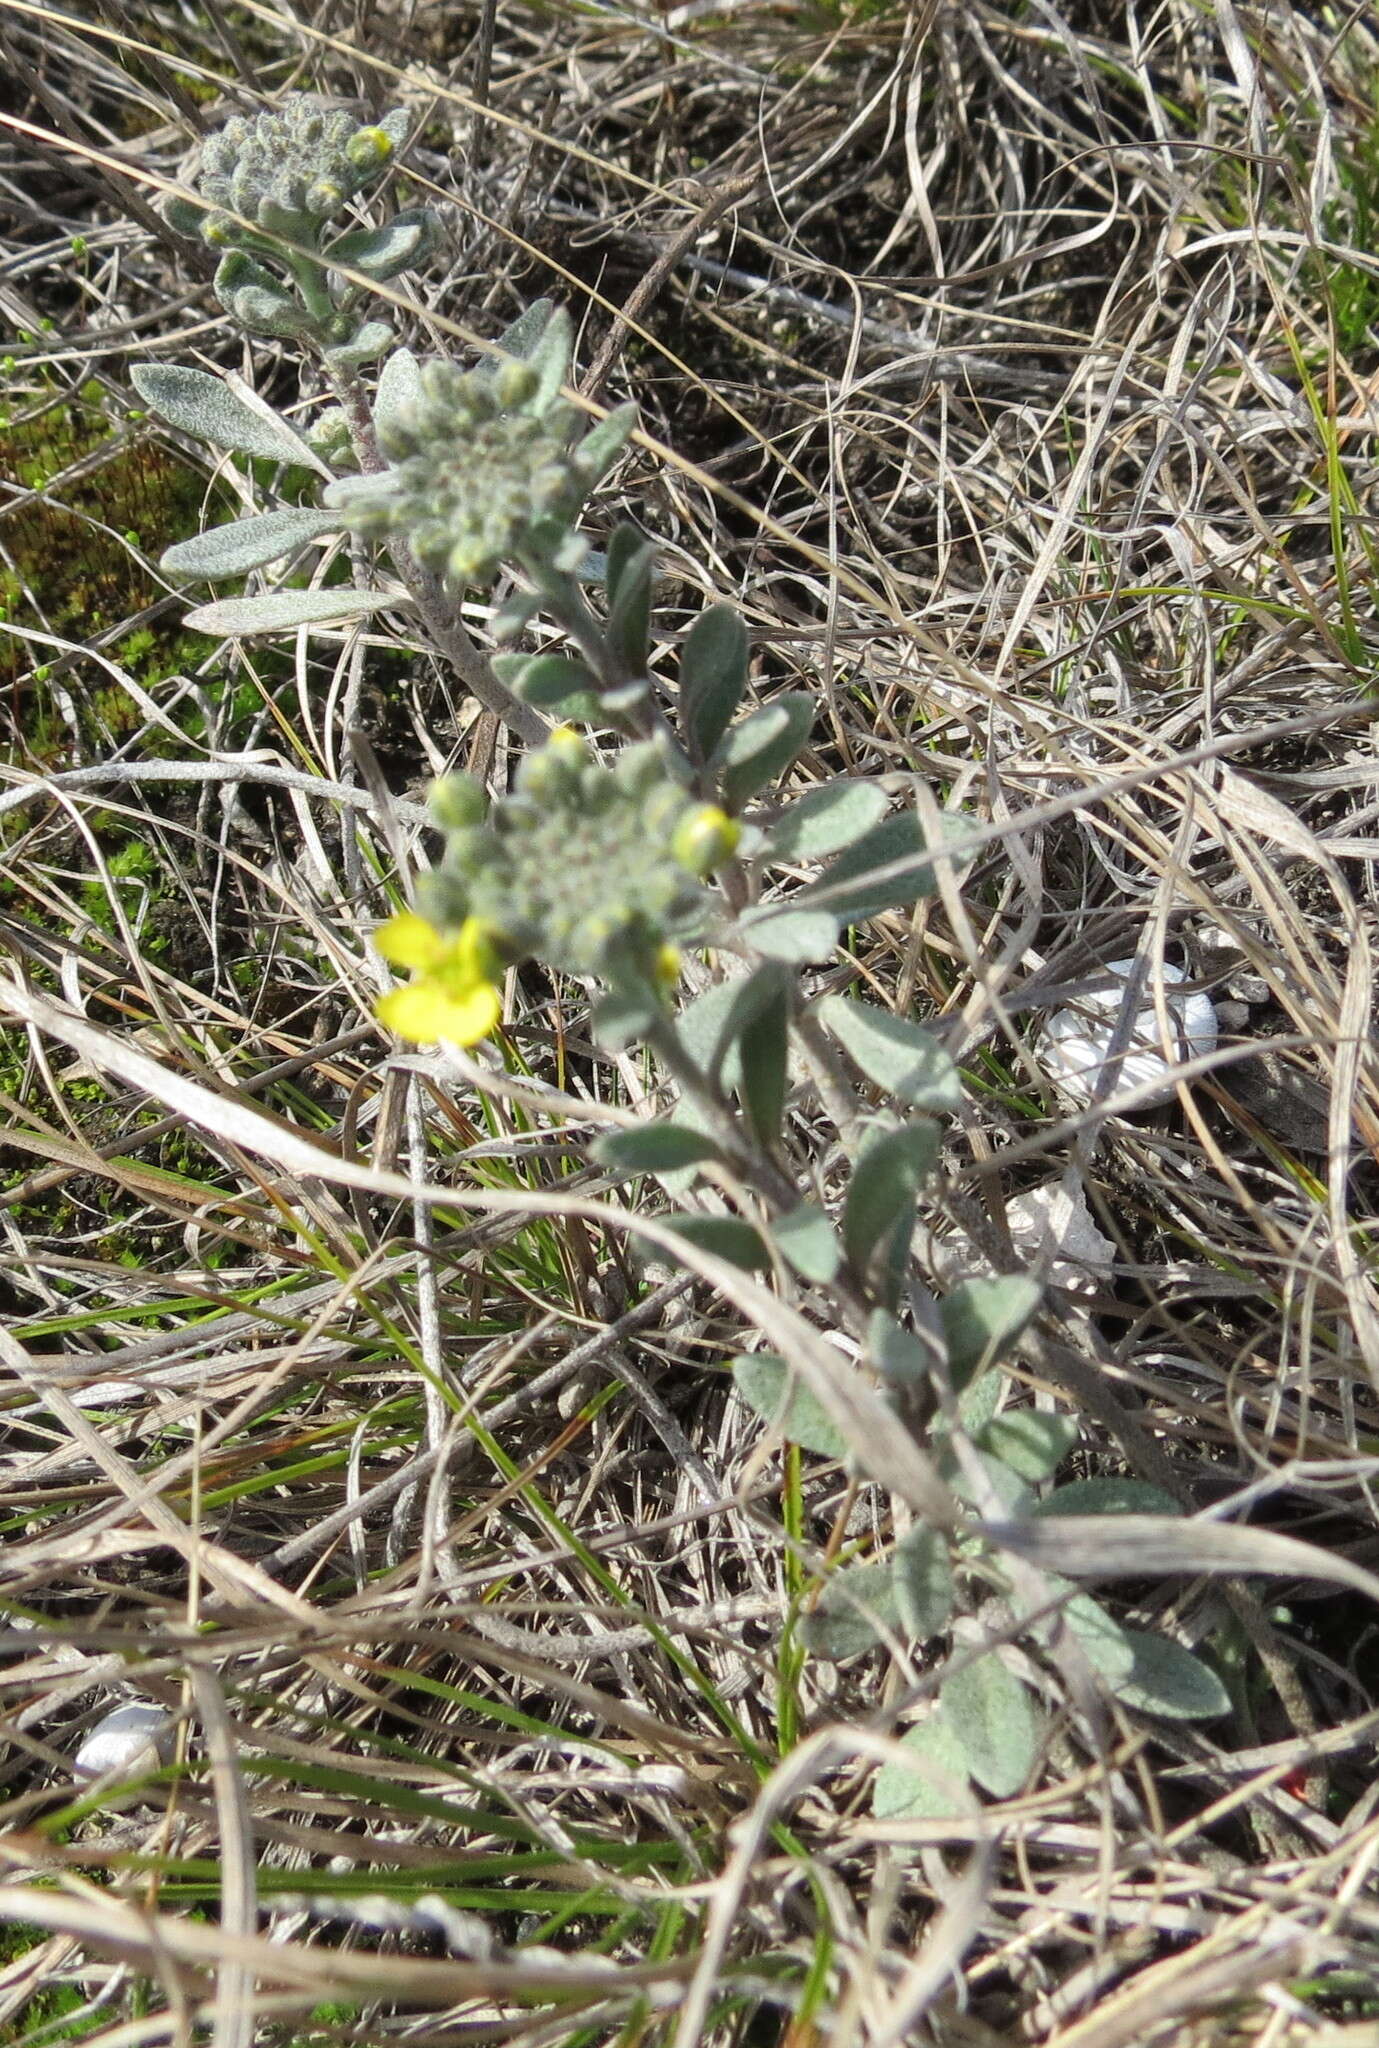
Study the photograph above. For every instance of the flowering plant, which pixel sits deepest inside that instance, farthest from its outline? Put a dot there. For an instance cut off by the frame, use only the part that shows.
(668, 838)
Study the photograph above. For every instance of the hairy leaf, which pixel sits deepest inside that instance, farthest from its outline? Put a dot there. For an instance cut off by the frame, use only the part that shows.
(1032, 1442)
(853, 1610)
(898, 1354)
(1108, 1497)
(380, 253)
(997, 1726)
(1168, 1680)
(905, 1060)
(629, 614)
(762, 747)
(878, 1215)
(278, 611)
(767, 1384)
(727, 1237)
(931, 1782)
(653, 1148)
(205, 407)
(548, 679)
(521, 337)
(713, 677)
(923, 1574)
(399, 388)
(711, 1026)
(834, 815)
(763, 1049)
(247, 543)
(794, 936)
(889, 865)
(982, 1319)
(805, 1239)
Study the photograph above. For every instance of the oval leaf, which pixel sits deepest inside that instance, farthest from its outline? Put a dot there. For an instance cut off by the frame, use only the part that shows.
(399, 388)
(278, 611)
(762, 747)
(1112, 1496)
(891, 864)
(853, 1612)
(655, 1148)
(380, 253)
(905, 1060)
(205, 407)
(931, 1783)
(922, 1572)
(1168, 1680)
(1030, 1441)
(1107, 1645)
(795, 936)
(725, 1237)
(982, 1319)
(763, 1050)
(711, 1026)
(713, 677)
(831, 817)
(994, 1719)
(780, 1398)
(806, 1241)
(247, 543)
(552, 678)
(884, 1188)
(897, 1353)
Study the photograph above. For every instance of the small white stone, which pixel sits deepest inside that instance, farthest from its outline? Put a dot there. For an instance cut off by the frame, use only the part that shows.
(1077, 1041)
(133, 1739)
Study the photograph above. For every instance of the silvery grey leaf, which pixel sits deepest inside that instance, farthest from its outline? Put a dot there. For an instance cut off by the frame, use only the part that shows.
(247, 543)
(279, 611)
(208, 409)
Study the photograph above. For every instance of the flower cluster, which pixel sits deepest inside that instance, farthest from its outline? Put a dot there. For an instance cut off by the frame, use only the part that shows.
(486, 463)
(289, 171)
(593, 870)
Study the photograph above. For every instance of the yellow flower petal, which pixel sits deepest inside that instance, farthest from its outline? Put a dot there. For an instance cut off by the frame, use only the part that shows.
(409, 941)
(425, 1011)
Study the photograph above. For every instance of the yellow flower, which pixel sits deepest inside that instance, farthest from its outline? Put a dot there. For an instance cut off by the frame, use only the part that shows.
(453, 992)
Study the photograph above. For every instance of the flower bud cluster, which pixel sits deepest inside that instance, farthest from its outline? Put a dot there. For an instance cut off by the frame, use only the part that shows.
(486, 466)
(593, 870)
(290, 171)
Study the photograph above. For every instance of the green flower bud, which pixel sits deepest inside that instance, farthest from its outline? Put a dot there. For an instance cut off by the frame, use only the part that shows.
(704, 839)
(324, 197)
(457, 801)
(514, 384)
(368, 149)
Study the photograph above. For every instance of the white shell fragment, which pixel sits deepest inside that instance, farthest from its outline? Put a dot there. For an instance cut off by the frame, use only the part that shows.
(133, 1739)
(1052, 1229)
(1077, 1045)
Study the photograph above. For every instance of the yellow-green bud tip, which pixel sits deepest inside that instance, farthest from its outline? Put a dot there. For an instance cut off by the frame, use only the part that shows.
(514, 384)
(704, 838)
(567, 747)
(367, 148)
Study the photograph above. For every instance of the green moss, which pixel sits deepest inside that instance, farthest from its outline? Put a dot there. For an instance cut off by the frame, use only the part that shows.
(72, 568)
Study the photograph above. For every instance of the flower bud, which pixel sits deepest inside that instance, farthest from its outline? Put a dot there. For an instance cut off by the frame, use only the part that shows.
(456, 802)
(368, 149)
(514, 384)
(704, 838)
